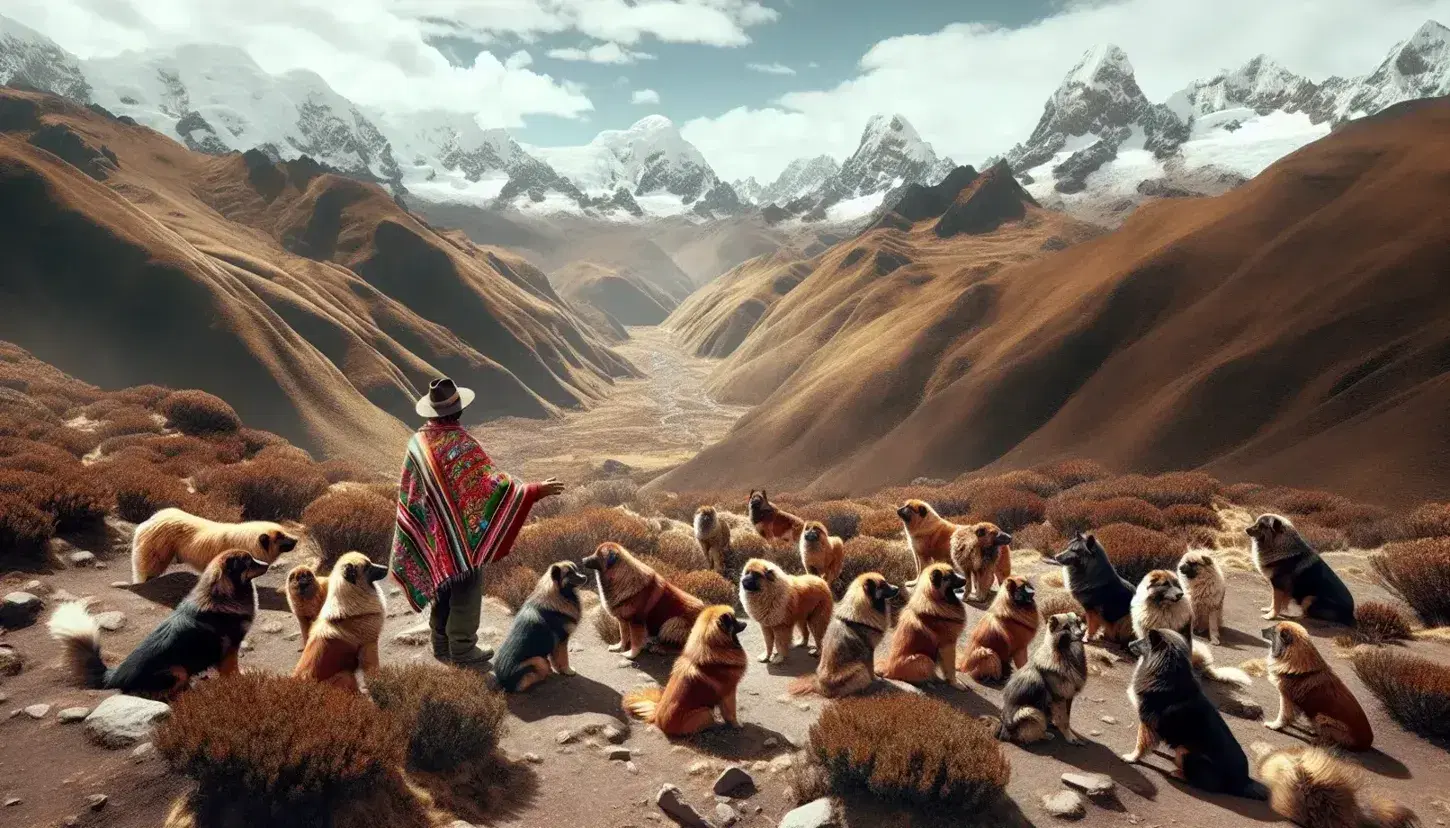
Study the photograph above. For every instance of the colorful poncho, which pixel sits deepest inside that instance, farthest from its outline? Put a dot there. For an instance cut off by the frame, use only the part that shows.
(456, 513)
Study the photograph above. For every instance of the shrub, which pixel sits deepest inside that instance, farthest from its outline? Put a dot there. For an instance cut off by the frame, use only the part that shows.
(1183, 514)
(255, 439)
(1136, 551)
(285, 452)
(198, 413)
(24, 530)
(841, 517)
(1429, 520)
(682, 506)
(1069, 515)
(1052, 602)
(351, 519)
(908, 748)
(605, 493)
(1132, 510)
(1296, 502)
(128, 420)
(866, 554)
(19, 453)
(70, 496)
(510, 584)
(680, 551)
(1414, 691)
(606, 626)
(141, 490)
(570, 537)
(273, 489)
(346, 471)
(1356, 514)
(145, 396)
(1042, 537)
(881, 523)
(1418, 572)
(1376, 622)
(1322, 539)
(1036, 482)
(451, 715)
(1069, 473)
(707, 585)
(1165, 490)
(176, 454)
(1011, 509)
(1194, 537)
(73, 441)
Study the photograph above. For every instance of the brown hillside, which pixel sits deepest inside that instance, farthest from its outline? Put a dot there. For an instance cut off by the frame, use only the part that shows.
(618, 292)
(717, 318)
(315, 303)
(1294, 331)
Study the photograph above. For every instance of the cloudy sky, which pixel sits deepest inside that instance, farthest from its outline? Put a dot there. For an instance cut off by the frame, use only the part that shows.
(753, 83)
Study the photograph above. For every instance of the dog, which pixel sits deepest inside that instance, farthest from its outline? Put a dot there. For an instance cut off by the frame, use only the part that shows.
(822, 553)
(1041, 692)
(1160, 603)
(1308, 685)
(1310, 787)
(704, 677)
(1105, 596)
(1172, 709)
(713, 535)
(780, 603)
(926, 636)
(537, 644)
(982, 551)
(1000, 640)
(173, 535)
(306, 593)
(848, 653)
(1297, 574)
(771, 523)
(344, 640)
(1203, 580)
(205, 631)
(645, 604)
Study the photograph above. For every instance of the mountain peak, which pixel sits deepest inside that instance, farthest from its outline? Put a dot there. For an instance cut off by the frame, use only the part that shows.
(1105, 63)
(652, 123)
(1430, 32)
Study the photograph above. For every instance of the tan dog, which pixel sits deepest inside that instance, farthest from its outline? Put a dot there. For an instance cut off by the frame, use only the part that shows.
(781, 603)
(1160, 603)
(1000, 640)
(929, 535)
(772, 523)
(822, 553)
(982, 551)
(1308, 685)
(173, 535)
(705, 677)
(1311, 788)
(848, 652)
(713, 535)
(306, 593)
(344, 641)
(926, 636)
(645, 604)
(1203, 580)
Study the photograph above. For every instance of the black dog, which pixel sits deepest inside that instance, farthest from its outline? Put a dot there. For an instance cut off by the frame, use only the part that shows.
(537, 643)
(1103, 593)
(1297, 574)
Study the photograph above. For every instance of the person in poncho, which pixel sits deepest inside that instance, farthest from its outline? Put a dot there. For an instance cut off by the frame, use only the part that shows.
(456, 514)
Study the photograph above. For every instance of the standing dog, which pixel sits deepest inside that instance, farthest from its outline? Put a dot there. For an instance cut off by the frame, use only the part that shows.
(848, 654)
(1309, 787)
(976, 550)
(713, 535)
(1172, 709)
(645, 605)
(926, 636)
(306, 593)
(537, 644)
(772, 523)
(1203, 579)
(204, 631)
(344, 640)
(1000, 640)
(1297, 574)
(1160, 604)
(929, 535)
(1105, 596)
(1042, 692)
(822, 553)
(705, 676)
(781, 603)
(1308, 685)
(174, 535)
(982, 551)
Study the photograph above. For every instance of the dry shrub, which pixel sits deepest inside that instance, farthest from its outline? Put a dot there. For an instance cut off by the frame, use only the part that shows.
(141, 490)
(198, 413)
(128, 419)
(1429, 520)
(1009, 508)
(1194, 488)
(606, 493)
(1377, 622)
(866, 554)
(570, 537)
(450, 714)
(707, 585)
(1414, 691)
(510, 584)
(273, 489)
(255, 439)
(880, 523)
(1036, 482)
(24, 530)
(682, 506)
(908, 748)
(680, 551)
(72, 497)
(353, 519)
(1042, 537)
(953, 498)
(177, 454)
(1052, 602)
(1183, 514)
(1321, 538)
(285, 452)
(1136, 551)
(746, 544)
(144, 396)
(31, 455)
(1069, 473)
(1132, 510)
(1418, 572)
(1069, 515)
(1194, 537)
(73, 441)
(606, 625)
(1295, 502)
(346, 471)
(841, 517)
(1357, 514)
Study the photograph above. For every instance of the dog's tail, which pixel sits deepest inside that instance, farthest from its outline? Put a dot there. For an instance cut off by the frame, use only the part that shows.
(1025, 725)
(981, 664)
(1386, 813)
(643, 704)
(1204, 666)
(80, 635)
(806, 685)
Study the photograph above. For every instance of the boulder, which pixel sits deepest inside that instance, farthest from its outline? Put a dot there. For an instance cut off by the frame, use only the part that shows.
(111, 621)
(123, 721)
(818, 814)
(71, 715)
(1092, 784)
(1065, 805)
(20, 609)
(11, 662)
(38, 711)
(734, 782)
(669, 801)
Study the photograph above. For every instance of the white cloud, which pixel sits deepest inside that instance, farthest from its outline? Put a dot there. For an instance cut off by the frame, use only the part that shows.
(519, 60)
(600, 53)
(770, 68)
(974, 90)
(644, 96)
(708, 22)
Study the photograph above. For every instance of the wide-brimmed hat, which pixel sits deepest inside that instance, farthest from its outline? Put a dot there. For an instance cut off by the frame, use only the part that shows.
(443, 398)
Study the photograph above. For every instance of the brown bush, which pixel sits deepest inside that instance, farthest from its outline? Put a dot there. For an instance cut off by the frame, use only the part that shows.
(1041, 537)
(680, 551)
(353, 519)
(1011, 509)
(682, 506)
(707, 585)
(255, 439)
(953, 498)
(72, 497)
(841, 517)
(145, 396)
(1040, 484)
(866, 554)
(881, 523)
(451, 716)
(1414, 691)
(31, 455)
(1376, 622)
(1418, 572)
(265, 489)
(1136, 551)
(1322, 539)
(198, 413)
(285, 452)
(128, 419)
(1429, 520)
(1069, 515)
(1183, 514)
(346, 471)
(177, 454)
(1194, 488)
(604, 493)
(606, 626)
(141, 490)
(24, 530)
(908, 748)
(1356, 514)
(1194, 537)
(510, 584)
(1132, 510)
(1069, 473)
(73, 441)
(570, 537)
(1052, 602)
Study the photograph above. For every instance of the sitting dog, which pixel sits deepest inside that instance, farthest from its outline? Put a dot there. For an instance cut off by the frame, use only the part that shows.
(1041, 693)
(537, 644)
(705, 677)
(1203, 579)
(306, 593)
(1105, 596)
(645, 604)
(1297, 574)
(848, 654)
(772, 523)
(344, 640)
(1000, 640)
(713, 535)
(822, 553)
(1308, 685)
(926, 636)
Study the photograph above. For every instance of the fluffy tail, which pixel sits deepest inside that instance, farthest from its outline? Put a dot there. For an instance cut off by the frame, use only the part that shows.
(80, 635)
(1204, 666)
(981, 664)
(1385, 813)
(1309, 786)
(805, 685)
(643, 704)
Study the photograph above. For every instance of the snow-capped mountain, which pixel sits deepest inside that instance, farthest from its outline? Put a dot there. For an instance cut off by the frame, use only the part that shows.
(748, 189)
(1417, 68)
(800, 177)
(29, 58)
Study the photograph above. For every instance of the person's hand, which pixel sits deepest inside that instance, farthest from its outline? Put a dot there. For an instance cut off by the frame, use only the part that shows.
(550, 488)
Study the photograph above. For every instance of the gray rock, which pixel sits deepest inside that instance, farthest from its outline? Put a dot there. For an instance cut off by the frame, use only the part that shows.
(35, 588)
(533, 759)
(112, 621)
(733, 781)
(20, 609)
(614, 734)
(271, 628)
(564, 737)
(11, 662)
(631, 767)
(143, 751)
(97, 801)
(818, 814)
(71, 715)
(1065, 805)
(122, 721)
(81, 557)
(38, 711)
(13, 801)
(726, 815)
(1092, 784)
(782, 763)
(674, 807)
(617, 754)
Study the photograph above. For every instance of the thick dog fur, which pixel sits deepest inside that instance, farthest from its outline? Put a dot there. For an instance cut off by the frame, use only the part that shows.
(1160, 603)
(926, 636)
(306, 593)
(982, 552)
(344, 640)
(1000, 640)
(1104, 594)
(1203, 580)
(1173, 710)
(705, 677)
(1041, 692)
(713, 535)
(537, 644)
(822, 553)
(1296, 573)
(1308, 685)
(772, 523)
(1311, 788)
(173, 535)
(204, 631)
(781, 603)
(645, 605)
(848, 653)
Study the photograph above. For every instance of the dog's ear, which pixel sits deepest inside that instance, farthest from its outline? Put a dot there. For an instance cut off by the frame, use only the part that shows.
(349, 573)
(265, 542)
(1275, 524)
(1155, 639)
(556, 572)
(936, 577)
(1090, 539)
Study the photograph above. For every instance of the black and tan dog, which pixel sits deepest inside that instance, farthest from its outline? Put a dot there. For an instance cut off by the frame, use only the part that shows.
(713, 535)
(1173, 710)
(645, 604)
(703, 679)
(926, 636)
(537, 644)
(205, 631)
(1000, 640)
(848, 653)
(306, 593)
(1308, 685)
(1042, 691)
(344, 639)
(1104, 594)
(1310, 787)
(1297, 574)
(772, 523)
(1161, 604)
(782, 603)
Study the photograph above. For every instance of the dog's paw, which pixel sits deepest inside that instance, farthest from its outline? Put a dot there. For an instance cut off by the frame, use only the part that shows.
(1270, 615)
(1130, 758)
(1072, 739)
(618, 648)
(634, 654)
(1213, 639)
(778, 658)
(1275, 725)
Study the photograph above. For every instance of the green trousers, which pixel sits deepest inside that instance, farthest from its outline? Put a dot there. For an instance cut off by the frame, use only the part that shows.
(454, 617)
